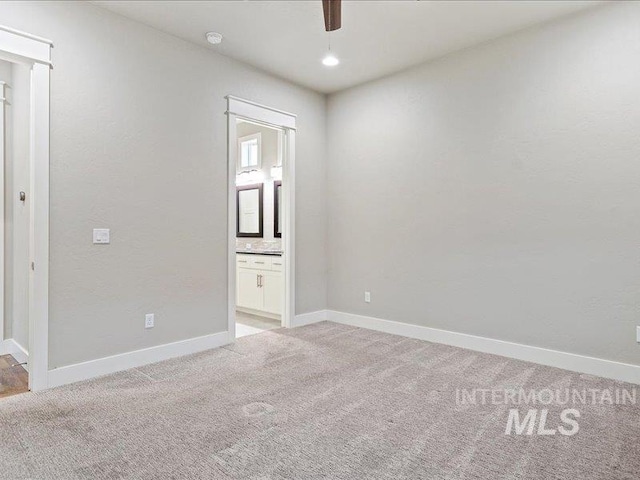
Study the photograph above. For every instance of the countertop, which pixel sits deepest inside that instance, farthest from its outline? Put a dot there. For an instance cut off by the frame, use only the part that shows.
(274, 253)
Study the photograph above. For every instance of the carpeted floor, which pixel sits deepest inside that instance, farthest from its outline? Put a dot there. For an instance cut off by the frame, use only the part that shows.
(324, 401)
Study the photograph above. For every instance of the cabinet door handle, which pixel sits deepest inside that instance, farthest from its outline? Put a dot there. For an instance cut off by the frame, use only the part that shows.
(259, 263)
(258, 281)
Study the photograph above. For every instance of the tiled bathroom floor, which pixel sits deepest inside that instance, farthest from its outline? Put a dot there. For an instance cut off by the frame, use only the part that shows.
(251, 324)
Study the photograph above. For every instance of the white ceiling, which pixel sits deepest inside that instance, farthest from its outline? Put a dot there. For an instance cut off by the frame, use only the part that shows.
(287, 38)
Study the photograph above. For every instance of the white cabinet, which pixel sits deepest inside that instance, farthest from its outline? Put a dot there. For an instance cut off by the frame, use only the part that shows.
(259, 284)
(272, 291)
(249, 293)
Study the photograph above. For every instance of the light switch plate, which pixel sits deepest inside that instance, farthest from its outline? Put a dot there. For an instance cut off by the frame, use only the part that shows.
(149, 320)
(638, 334)
(367, 297)
(101, 236)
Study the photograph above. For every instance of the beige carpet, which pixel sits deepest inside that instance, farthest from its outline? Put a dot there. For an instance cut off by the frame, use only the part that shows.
(324, 401)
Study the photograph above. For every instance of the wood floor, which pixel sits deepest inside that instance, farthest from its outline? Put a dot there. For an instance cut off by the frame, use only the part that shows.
(13, 380)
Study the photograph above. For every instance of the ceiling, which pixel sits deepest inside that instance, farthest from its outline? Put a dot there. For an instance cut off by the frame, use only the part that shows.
(287, 38)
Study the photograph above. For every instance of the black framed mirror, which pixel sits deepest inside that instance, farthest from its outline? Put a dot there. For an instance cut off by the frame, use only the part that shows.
(277, 205)
(249, 211)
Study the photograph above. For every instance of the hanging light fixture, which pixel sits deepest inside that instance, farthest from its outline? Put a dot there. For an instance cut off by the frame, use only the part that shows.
(332, 21)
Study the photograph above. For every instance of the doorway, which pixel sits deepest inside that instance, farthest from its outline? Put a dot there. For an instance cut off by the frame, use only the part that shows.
(261, 146)
(25, 65)
(14, 238)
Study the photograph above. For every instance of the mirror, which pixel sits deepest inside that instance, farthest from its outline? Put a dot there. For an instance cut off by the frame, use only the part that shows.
(249, 210)
(277, 209)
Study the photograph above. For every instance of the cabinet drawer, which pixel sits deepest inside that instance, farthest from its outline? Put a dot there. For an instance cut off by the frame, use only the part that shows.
(277, 264)
(243, 260)
(261, 262)
(258, 262)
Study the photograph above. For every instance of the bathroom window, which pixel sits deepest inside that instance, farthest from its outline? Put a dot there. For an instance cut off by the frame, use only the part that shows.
(249, 152)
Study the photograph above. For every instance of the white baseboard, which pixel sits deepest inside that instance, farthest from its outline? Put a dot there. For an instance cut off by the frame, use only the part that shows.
(137, 358)
(309, 318)
(553, 358)
(17, 351)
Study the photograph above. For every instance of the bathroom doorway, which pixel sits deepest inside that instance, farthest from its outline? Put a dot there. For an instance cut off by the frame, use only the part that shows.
(14, 237)
(24, 202)
(260, 228)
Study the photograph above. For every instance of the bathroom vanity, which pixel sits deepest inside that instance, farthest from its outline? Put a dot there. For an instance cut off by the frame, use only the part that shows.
(260, 283)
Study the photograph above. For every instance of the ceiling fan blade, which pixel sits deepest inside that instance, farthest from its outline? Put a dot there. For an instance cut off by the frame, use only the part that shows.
(332, 14)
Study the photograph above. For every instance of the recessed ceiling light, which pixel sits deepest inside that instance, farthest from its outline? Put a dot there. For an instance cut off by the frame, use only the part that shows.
(330, 60)
(214, 38)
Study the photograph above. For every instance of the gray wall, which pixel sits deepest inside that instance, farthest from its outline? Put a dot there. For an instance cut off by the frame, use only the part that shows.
(139, 146)
(496, 191)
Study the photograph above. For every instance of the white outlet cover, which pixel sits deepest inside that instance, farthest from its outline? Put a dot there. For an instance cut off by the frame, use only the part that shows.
(638, 334)
(149, 320)
(367, 297)
(101, 236)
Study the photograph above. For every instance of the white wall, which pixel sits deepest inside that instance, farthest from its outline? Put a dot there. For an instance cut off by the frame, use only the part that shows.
(19, 216)
(16, 213)
(139, 146)
(496, 191)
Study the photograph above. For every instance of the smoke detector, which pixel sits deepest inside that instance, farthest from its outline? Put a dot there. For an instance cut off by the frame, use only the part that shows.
(214, 38)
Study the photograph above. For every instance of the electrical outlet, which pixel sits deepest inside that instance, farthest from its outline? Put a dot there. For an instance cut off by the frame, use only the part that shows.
(367, 297)
(149, 320)
(638, 334)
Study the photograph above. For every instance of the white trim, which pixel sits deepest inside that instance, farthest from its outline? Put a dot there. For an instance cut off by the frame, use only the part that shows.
(246, 109)
(232, 153)
(309, 318)
(289, 226)
(553, 358)
(13, 348)
(137, 358)
(26, 35)
(25, 48)
(39, 232)
(22, 47)
(239, 109)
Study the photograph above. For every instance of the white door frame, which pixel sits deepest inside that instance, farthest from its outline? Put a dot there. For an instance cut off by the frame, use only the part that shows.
(238, 108)
(20, 47)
